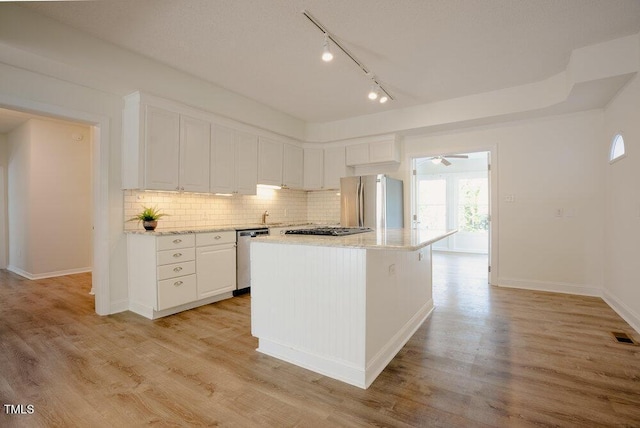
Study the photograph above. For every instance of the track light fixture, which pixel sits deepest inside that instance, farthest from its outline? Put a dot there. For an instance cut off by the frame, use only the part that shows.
(326, 52)
(373, 93)
(377, 92)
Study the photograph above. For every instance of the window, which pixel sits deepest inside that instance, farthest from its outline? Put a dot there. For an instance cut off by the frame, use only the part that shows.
(617, 148)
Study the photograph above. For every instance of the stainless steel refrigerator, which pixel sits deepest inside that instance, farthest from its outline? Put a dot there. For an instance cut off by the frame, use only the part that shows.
(374, 201)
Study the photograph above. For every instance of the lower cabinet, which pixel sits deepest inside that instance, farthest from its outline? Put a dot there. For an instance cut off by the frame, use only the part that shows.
(215, 255)
(173, 273)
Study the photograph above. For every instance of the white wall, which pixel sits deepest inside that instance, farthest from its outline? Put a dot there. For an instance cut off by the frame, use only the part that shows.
(622, 218)
(49, 183)
(4, 241)
(18, 173)
(547, 164)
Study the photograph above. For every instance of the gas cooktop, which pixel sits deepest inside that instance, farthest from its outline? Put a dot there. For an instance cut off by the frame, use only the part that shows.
(329, 231)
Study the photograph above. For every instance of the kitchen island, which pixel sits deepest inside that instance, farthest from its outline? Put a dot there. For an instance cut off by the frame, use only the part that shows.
(341, 306)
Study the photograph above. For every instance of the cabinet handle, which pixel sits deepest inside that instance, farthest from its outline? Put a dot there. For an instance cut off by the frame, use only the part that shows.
(218, 237)
(177, 255)
(177, 241)
(178, 283)
(177, 269)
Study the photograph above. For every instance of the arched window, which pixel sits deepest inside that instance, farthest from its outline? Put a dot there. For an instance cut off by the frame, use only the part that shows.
(617, 148)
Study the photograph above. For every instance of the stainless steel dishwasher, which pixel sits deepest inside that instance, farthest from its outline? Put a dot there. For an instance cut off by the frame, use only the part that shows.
(243, 258)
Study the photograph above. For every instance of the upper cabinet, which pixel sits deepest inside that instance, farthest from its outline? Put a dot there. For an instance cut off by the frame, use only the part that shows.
(195, 137)
(334, 167)
(384, 151)
(164, 149)
(293, 167)
(270, 162)
(280, 164)
(234, 161)
(313, 169)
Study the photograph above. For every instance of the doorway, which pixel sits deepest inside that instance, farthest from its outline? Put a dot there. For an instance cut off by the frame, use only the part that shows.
(99, 128)
(454, 192)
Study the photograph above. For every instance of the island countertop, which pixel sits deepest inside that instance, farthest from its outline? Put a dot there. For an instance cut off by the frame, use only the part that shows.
(389, 239)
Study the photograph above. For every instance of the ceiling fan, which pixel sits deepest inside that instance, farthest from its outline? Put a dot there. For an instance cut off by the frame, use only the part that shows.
(443, 159)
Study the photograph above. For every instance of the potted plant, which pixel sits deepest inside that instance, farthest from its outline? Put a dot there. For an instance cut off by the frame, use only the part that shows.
(149, 217)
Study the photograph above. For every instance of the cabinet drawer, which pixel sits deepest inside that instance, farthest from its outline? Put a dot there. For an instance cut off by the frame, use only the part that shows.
(176, 256)
(176, 291)
(176, 269)
(215, 238)
(171, 242)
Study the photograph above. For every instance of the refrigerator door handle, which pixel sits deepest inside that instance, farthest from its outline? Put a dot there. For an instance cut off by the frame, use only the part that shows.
(360, 204)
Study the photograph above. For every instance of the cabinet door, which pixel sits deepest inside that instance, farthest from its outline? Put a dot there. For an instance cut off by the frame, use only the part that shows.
(162, 142)
(384, 151)
(292, 166)
(270, 162)
(334, 167)
(313, 169)
(216, 270)
(357, 154)
(195, 138)
(176, 291)
(246, 163)
(223, 160)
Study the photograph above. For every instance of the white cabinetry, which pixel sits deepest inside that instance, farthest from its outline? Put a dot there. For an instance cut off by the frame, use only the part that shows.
(234, 161)
(372, 153)
(313, 169)
(163, 148)
(293, 167)
(280, 164)
(358, 154)
(270, 162)
(195, 141)
(168, 274)
(334, 167)
(216, 261)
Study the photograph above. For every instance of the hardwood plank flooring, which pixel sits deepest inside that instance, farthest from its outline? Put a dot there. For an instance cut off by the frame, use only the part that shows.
(487, 357)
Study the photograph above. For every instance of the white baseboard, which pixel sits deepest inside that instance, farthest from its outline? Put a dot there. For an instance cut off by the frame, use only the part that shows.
(553, 287)
(119, 306)
(627, 314)
(379, 362)
(45, 275)
(355, 375)
(630, 316)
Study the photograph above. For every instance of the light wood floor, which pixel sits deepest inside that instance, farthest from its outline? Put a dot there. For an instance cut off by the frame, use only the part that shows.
(487, 357)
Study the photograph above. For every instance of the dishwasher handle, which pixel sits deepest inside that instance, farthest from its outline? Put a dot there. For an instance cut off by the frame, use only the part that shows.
(252, 233)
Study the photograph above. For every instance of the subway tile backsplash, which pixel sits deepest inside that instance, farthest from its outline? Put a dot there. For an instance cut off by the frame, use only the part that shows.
(200, 210)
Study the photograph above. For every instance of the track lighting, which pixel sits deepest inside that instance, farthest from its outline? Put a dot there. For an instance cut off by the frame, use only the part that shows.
(373, 93)
(326, 52)
(377, 92)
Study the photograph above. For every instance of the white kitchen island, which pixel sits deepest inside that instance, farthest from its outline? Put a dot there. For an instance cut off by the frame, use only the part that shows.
(341, 306)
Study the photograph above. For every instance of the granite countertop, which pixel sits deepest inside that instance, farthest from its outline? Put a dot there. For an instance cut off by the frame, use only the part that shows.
(205, 229)
(388, 239)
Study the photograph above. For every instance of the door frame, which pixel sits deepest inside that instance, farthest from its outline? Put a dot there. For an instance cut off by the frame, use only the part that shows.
(100, 182)
(492, 174)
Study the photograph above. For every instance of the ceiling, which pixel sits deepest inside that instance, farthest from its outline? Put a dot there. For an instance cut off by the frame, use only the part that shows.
(421, 50)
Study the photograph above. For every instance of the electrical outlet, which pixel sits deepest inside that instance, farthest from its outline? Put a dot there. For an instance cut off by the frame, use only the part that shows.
(510, 198)
(559, 212)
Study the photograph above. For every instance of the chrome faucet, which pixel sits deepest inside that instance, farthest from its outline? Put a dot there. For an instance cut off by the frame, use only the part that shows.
(264, 217)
